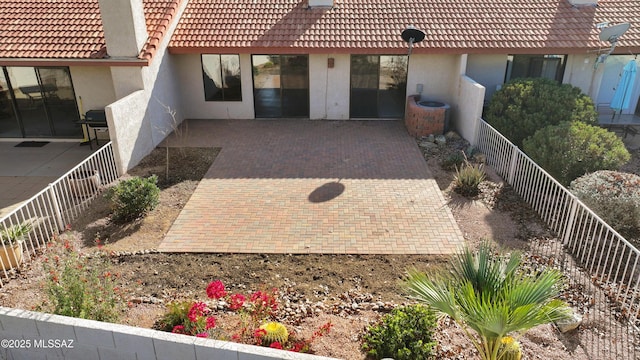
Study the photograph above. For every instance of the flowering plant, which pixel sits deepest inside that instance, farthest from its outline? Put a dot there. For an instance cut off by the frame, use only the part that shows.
(257, 323)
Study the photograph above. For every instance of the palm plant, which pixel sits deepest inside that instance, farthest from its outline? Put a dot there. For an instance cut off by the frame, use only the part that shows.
(488, 294)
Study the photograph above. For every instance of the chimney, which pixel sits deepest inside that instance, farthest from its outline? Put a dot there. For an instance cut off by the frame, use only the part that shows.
(321, 3)
(577, 3)
(125, 28)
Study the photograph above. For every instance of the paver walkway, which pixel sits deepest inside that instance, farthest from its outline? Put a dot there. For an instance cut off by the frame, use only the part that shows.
(300, 186)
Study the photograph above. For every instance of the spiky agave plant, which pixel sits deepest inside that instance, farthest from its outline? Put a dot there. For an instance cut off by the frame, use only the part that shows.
(275, 332)
(487, 293)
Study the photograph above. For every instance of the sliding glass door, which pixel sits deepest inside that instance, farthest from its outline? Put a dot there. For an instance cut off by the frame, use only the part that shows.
(281, 85)
(38, 102)
(378, 86)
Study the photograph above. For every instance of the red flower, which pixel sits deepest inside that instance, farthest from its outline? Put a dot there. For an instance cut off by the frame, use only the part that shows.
(259, 333)
(300, 346)
(276, 345)
(197, 309)
(178, 329)
(211, 323)
(235, 337)
(202, 335)
(237, 300)
(216, 290)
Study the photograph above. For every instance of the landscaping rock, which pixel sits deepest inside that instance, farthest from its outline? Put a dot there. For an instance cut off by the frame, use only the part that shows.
(441, 140)
(569, 324)
(427, 145)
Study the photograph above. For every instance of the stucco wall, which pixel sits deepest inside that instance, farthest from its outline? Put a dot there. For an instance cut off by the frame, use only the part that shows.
(139, 121)
(437, 73)
(189, 72)
(87, 339)
(329, 88)
(579, 71)
(487, 70)
(469, 108)
(92, 84)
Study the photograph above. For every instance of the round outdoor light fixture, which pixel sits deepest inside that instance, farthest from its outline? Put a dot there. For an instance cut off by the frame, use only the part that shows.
(412, 36)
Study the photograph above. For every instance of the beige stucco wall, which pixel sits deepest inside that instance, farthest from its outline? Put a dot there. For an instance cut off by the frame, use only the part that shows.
(92, 84)
(140, 120)
(437, 73)
(487, 70)
(579, 71)
(189, 71)
(329, 88)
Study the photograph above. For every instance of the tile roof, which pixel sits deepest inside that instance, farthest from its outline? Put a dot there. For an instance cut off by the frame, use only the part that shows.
(69, 29)
(375, 25)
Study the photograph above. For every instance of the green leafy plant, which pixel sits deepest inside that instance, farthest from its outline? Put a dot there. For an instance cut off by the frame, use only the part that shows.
(524, 106)
(468, 178)
(453, 161)
(12, 234)
(486, 292)
(80, 286)
(572, 149)
(614, 196)
(189, 318)
(404, 334)
(132, 198)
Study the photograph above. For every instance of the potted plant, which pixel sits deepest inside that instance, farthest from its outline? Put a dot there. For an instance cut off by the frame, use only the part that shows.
(12, 238)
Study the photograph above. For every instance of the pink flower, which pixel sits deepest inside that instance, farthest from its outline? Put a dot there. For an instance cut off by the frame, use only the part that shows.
(202, 335)
(197, 309)
(178, 329)
(259, 333)
(211, 323)
(216, 290)
(276, 345)
(237, 300)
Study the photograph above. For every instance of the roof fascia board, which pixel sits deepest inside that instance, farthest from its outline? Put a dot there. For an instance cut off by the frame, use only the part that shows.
(72, 62)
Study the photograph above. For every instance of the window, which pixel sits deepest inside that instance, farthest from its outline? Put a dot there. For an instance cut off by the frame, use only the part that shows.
(535, 66)
(378, 86)
(221, 75)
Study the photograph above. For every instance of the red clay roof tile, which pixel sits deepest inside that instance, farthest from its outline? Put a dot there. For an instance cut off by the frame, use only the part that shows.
(70, 29)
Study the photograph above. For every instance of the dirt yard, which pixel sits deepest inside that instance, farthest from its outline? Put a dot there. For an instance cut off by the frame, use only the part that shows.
(350, 291)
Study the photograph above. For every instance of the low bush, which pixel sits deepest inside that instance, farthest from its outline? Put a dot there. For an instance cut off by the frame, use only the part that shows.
(453, 161)
(80, 286)
(404, 334)
(524, 106)
(614, 196)
(572, 149)
(133, 198)
(468, 178)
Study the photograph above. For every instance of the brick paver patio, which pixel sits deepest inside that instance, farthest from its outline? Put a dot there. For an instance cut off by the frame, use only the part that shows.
(300, 186)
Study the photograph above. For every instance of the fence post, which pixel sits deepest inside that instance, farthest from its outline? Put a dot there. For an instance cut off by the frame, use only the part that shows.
(570, 221)
(56, 207)
(512, 165)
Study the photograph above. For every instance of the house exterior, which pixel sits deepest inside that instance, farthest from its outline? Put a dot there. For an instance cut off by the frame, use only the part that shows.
(313, 59)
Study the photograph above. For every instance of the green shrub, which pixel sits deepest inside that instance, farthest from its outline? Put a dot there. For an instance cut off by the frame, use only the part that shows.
(404, 334)
(524, 106)
(614, 196)
(81, 287)
(132, 198)
(572, 149)
(453, 161)
(468, 178)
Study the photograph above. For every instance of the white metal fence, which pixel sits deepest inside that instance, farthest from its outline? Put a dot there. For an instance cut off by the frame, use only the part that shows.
(600, 257)
(50, 210)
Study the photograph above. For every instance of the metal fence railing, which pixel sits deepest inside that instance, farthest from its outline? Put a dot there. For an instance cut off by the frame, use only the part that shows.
(50, 210)
(601, 265)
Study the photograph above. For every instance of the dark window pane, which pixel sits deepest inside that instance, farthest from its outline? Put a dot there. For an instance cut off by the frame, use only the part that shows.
(378, 86)
(211, 74)
(60, 101)
(30, 102)
(231, 77)
(9, 126)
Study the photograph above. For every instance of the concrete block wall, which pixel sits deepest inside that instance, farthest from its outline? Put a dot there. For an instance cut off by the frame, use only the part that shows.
(32, 335)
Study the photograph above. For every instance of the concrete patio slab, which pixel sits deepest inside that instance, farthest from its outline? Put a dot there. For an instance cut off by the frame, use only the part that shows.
(300, 186)
(27, 170)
